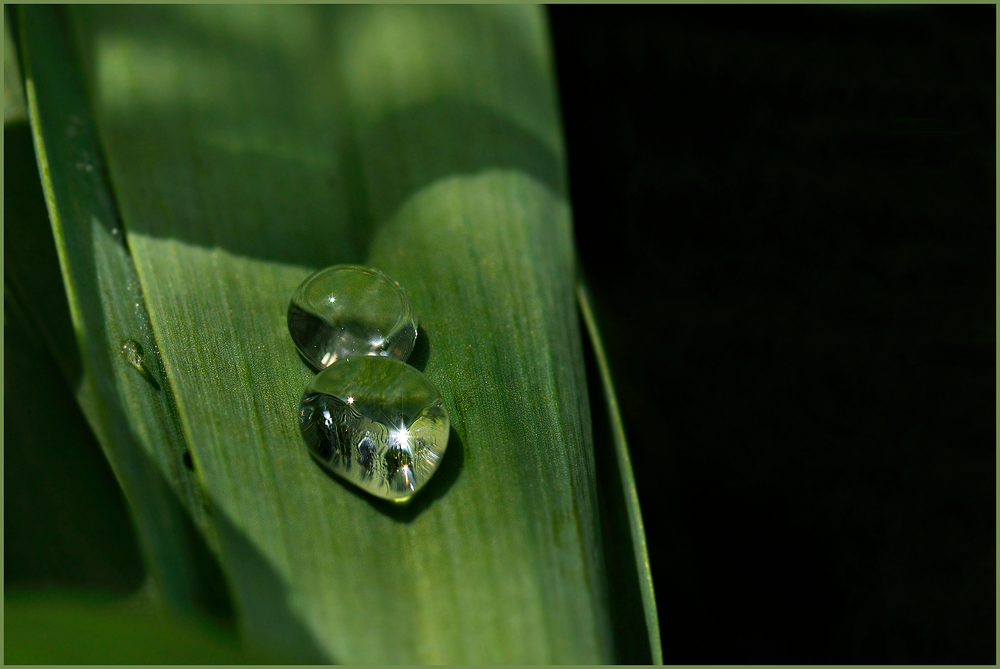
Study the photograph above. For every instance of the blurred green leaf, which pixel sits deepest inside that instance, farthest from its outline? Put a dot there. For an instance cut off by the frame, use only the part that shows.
(248, 146)
(67, 627)
(65, 521)
(13, 93)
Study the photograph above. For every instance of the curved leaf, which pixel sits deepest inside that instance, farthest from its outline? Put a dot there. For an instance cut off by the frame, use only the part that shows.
(249, 146)
(630, 577)
(133, 417)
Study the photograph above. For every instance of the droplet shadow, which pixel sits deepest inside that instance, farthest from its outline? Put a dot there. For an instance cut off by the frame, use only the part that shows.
(421, 350)
(405, 512)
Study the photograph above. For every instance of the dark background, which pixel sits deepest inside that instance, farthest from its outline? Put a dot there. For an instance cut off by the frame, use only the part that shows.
(787, 218)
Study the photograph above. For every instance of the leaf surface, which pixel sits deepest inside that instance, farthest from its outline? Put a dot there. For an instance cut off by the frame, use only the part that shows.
(247, 147)
(346, 148)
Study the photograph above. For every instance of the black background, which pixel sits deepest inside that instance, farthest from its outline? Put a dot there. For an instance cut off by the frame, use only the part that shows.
(787, 218)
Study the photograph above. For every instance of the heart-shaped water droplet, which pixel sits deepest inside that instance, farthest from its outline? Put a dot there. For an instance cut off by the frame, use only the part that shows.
(347, 311)
(376, 422)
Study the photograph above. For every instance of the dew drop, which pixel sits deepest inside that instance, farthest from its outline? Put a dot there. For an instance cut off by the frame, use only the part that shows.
(347, 311)
(376, 422)
(133, 352)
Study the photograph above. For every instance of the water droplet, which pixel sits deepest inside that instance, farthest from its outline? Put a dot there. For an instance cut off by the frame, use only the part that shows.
(377, 423)
(347, 311)
(133, 352)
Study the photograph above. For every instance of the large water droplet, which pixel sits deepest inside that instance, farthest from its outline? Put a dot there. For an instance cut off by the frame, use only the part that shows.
(347, 311)
(376, 422)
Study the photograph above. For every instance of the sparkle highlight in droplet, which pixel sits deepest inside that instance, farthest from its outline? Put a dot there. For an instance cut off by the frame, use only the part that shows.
(377, 423)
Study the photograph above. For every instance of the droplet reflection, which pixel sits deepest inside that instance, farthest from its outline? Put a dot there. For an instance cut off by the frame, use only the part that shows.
(377, 423)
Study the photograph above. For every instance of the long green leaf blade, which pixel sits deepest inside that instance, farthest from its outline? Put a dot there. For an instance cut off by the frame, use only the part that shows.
(248, 146)
(628, 558)
(228, 207)
(65, 520)
(130, 411)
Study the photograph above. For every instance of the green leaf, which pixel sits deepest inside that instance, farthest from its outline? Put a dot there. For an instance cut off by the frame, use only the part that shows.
(134, 420)
(249, 146)
(31, 265)
(66, 627)
(13, 93)
(65, 521)
(630, 576)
